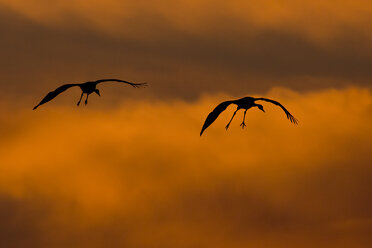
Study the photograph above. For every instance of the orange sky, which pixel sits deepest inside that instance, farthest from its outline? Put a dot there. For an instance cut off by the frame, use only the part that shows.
(130, 170)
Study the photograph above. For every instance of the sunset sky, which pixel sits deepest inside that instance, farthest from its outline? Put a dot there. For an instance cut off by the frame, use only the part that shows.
(130, 169)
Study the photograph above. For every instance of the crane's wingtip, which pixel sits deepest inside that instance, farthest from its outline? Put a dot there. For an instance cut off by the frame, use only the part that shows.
(35, 107)
(295, 121)
(139, 85)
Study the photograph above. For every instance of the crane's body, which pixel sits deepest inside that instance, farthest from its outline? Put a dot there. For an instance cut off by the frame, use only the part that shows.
(242, 103)
(245, 103)
(86, 88)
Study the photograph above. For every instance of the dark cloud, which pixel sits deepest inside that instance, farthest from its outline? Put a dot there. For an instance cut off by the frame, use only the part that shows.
(231, 58)
(21, 222)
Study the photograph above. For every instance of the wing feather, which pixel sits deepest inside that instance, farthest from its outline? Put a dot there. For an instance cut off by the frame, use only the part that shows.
(51, 95)
(214, 114)
(290, 117)
(135, 85)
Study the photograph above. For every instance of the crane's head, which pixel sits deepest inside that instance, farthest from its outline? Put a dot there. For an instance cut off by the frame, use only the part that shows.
(260, 107)
(97, 92)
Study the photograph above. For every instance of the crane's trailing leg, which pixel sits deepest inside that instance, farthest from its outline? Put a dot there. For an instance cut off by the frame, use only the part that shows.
(82, 93)
(243, 123)
(86, 100)
(228, 124)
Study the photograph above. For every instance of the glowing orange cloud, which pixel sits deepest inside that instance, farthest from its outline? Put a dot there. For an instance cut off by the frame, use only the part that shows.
(140, 175)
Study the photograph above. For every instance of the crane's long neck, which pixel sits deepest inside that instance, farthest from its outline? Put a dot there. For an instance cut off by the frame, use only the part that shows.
(259, 106)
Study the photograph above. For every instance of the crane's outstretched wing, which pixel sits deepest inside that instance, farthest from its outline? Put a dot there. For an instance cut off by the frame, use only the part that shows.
(55, 93)
(214, 114)
(289, 116)
(121, 81)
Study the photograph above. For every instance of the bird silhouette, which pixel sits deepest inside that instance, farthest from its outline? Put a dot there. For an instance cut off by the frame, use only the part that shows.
(86, 88)
(242, 103)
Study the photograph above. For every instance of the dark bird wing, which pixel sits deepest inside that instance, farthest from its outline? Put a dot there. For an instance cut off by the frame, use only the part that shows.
(55, 93)
(289, 116)
(214, 114)
(135, 85)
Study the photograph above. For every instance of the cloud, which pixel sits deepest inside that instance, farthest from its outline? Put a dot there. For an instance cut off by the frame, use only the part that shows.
(318, 20)
(232, 57)
(139, 175)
